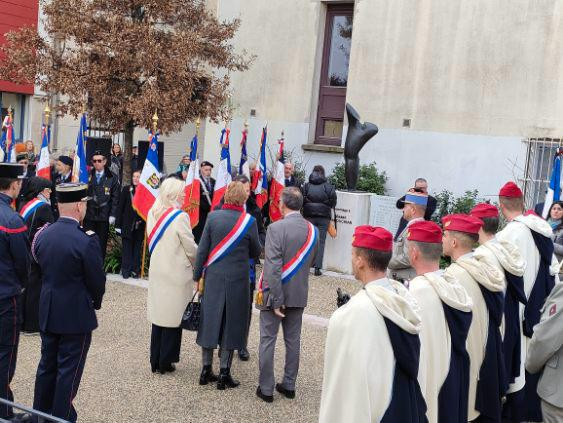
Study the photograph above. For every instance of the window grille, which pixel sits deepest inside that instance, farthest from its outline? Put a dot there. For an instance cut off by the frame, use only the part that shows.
(540, 153)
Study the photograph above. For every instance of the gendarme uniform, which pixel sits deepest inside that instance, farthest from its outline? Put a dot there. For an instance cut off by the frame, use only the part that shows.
(485, 286)
(532, 236)
(73, 284)
(445, 311)
(400, 267)
(506, 257)
(14, 264)
(372, 351)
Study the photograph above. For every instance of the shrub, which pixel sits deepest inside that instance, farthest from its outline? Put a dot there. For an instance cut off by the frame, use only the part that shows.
(369, 180)
(112, 263)
(447, 203)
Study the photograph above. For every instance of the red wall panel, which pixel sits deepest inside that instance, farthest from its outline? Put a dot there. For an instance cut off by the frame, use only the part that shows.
(15, 14)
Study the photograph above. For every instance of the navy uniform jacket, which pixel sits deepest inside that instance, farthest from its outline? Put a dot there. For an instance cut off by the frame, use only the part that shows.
(14, 250)
(72, 275)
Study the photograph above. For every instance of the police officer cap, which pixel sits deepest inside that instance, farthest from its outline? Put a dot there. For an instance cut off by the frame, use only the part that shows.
(11, 170)
(206, 163)
(72, 193)
(66, 160)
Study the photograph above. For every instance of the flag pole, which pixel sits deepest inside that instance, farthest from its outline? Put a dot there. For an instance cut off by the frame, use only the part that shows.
(155, 126)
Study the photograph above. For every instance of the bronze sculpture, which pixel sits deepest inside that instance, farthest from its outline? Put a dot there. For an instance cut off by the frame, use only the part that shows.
(358, 135)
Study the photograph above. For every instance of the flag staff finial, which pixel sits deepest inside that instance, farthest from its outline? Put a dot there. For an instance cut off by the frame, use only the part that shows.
(10, 111)
(246, 126)
(197, 123)
(47, 112)
(155, 121)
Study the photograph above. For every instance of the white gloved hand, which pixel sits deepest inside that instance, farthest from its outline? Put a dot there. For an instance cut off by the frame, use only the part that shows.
(111, 220)
(118, 230)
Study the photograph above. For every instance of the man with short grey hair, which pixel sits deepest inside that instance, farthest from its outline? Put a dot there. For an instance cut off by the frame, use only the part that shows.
(420, 186)
(291, 245)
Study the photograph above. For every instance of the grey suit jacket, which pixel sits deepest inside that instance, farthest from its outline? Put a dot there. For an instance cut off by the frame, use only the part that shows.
(545, 350)
(284, 239)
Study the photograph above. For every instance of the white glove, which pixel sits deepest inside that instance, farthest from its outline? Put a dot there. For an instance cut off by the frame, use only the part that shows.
(118, 231)
(111, 220)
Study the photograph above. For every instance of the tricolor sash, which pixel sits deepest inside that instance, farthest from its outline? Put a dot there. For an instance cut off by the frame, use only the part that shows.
(230, 241)
(161, 225)
(30, 208)
(292, 266)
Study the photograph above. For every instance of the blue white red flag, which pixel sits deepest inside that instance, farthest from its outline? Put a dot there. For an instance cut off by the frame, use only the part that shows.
(224, 177)
(193, 186)
(278, 184)
(44, 164)
(261, 189)
(244, 169)
(554, 188)
(79, 169)
(149, 184)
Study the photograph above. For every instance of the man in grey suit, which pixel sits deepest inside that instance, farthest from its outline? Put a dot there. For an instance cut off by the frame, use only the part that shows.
(283, 298)
(545, 352)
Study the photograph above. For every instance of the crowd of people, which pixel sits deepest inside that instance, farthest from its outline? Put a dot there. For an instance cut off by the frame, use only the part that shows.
(476, 341)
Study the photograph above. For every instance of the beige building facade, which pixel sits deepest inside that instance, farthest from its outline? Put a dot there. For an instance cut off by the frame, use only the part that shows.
(455, 86)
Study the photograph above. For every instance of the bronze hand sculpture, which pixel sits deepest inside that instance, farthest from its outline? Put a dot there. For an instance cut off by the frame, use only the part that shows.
(358, 135)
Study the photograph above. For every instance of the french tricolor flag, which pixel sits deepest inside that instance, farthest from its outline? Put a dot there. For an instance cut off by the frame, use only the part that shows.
(149, 184)
(554, 188)
(193, 186)
(44, 165)
(244, 168)
(224, 177)
(278, 184)
(261, 189)
(79, 169)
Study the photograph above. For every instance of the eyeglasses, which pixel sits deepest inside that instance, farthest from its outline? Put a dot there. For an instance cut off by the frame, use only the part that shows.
(97, 160)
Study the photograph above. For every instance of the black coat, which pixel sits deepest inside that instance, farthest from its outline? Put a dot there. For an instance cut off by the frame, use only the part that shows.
(42, 215)
(104, 196)
(319, 197)
(127, 218)
(204, 209)
(72, 275)
(226, 294)
(25, 187)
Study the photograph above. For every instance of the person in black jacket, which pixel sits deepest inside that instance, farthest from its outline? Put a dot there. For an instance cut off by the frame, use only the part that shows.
(28, 173)
(420, 186)
(132, 229)
(207, 187)
(103, 191)
(36, 212)
(319, 198)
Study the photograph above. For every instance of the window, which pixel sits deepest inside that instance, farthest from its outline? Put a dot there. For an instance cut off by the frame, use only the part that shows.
(17, 102)
(540, 153)
(334, 74)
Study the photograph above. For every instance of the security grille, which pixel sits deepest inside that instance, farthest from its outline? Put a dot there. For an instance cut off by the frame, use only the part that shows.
(97, 131)
(540, 153)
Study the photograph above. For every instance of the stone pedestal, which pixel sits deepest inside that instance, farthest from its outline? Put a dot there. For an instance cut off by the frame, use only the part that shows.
(352, 209)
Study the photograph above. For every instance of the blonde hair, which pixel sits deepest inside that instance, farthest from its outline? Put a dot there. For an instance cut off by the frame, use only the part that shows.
(235, 194)
(169, 192)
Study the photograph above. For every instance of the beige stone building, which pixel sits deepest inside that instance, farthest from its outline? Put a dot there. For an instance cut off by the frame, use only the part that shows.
(458, 88)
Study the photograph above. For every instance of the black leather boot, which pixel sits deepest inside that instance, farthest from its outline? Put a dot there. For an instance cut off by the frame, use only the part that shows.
(207, 376)
(243, 354)
(225, 380)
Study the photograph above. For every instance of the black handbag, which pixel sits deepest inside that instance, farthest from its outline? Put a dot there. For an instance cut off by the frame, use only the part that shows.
(190, 319)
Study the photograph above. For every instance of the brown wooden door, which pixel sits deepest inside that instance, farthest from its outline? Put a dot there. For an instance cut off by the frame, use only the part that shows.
(334, 74)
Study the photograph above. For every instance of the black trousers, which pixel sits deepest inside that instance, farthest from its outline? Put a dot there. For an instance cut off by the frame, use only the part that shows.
(10, 321)
(131, 253)
(59, 373)
(101, 229)
(165, 346)
(30, 300)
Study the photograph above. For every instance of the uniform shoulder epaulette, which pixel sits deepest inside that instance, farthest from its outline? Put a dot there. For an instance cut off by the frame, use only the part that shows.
(87, 231)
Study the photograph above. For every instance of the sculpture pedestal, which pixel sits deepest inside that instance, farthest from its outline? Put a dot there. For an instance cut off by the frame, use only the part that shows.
(352, 209)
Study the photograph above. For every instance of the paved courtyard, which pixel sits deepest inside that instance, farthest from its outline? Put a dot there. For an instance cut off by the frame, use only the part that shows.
(118, 385)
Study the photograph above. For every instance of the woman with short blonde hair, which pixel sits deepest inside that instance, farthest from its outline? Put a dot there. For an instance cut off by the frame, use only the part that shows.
(173, 251)
(226, 293)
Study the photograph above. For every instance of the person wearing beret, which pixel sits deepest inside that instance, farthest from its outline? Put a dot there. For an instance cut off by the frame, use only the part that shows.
(532, 236)
(485, 285)
(207, 187)
(445, 311)
(506, 257)
(73, 288)
(28, 173)
(63, 167)
(289, 240)
(14, 265)
(414, 208)
(36, 212)
(103, 190)
(372, 352)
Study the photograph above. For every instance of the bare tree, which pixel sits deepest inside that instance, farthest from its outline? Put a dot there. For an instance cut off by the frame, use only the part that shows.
(124, 59)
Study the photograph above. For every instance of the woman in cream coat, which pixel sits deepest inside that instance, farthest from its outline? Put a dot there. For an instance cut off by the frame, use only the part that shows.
(170, 277)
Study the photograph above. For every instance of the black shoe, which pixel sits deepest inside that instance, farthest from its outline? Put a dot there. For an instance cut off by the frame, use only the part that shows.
(134, 275)
(285, 392)
(225, 380)
(169, 369)
(154, 368)
(243, 354)
(126, 275)
(318, 272)
(207, 376)
(265, 398)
